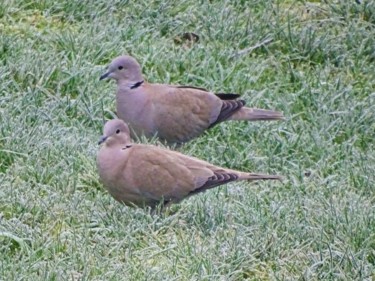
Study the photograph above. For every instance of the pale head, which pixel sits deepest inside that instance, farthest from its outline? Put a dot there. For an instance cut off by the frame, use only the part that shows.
(124, 68)
(115, 132)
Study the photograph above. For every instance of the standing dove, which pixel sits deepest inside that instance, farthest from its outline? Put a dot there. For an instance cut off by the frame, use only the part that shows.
(176, 114)
(146, 175)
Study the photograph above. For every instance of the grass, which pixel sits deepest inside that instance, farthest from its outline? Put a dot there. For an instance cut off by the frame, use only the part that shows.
(58, 223)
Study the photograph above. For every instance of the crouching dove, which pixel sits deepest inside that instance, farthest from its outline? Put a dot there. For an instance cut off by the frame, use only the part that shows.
(147, 175)
(176, 114)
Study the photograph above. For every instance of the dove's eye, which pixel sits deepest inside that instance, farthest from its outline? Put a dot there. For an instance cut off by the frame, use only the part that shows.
(117, 131)
(120, 67)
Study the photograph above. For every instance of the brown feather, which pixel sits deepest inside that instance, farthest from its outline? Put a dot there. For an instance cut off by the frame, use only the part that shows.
(219, 178)
(222, 96)
(191, 87)
(228, 108)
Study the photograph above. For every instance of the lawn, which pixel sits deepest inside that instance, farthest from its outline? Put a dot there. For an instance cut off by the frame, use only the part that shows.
(314, 61)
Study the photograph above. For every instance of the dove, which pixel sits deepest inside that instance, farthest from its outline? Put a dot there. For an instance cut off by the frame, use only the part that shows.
(146, 175)
(175, 114)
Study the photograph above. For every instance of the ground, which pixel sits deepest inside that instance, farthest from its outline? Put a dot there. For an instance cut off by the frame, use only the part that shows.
(313, 61)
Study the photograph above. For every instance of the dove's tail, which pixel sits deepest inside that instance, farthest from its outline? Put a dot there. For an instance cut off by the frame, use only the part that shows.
(255, 114)
(255, 177)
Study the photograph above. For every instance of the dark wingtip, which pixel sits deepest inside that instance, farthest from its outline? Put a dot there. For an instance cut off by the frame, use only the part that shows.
(229, 96)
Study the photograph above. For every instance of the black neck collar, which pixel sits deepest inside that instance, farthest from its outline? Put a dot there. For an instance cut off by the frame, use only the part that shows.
(136, 85)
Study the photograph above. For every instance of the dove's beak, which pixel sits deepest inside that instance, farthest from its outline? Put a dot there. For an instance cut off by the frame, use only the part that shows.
(102, 139)
(105, 75)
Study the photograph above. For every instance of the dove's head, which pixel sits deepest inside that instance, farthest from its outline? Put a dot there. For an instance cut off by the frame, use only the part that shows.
(115, 132)
(124, 68)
